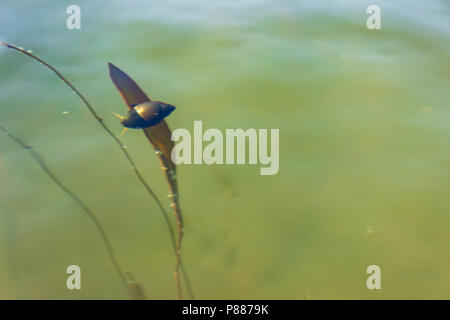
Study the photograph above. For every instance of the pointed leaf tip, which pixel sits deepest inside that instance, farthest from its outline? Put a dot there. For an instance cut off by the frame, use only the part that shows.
(129, 90)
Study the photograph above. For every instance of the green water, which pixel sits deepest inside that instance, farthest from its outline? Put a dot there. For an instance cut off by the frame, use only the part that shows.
(364, 148)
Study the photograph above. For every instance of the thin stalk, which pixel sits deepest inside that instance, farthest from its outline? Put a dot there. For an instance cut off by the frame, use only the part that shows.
(170, 173)
(77, 200)
(175, 245)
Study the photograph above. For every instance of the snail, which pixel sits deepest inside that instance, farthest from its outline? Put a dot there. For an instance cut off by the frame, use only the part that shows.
(145, 115)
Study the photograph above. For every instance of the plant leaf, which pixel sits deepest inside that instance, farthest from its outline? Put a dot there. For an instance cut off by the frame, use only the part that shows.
(158, 135)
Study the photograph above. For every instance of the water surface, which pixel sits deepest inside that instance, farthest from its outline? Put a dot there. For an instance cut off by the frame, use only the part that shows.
(364, 148)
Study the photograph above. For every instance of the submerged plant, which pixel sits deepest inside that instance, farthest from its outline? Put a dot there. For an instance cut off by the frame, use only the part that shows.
(159, 136)
(134, 289)
(149, 116)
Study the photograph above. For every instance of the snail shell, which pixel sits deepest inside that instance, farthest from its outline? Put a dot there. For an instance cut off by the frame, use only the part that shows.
(147, 114)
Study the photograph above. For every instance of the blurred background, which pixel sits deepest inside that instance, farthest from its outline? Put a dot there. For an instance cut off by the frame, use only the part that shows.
(364, 148)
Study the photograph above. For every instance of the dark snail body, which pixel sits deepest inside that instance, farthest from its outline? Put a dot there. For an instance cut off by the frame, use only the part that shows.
(147, 114)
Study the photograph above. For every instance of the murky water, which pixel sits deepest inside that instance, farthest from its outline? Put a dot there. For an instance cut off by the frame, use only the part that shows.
(364, 148)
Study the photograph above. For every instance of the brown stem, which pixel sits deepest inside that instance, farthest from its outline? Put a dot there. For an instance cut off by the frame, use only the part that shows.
(176, 243)
(170, 173)
(37, 157)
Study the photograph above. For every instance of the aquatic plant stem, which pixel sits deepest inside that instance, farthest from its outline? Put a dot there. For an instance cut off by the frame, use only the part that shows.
(175, 245)
(74, 197)
(170, 173)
